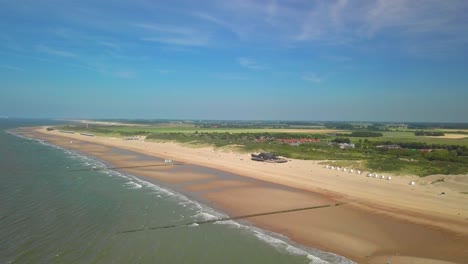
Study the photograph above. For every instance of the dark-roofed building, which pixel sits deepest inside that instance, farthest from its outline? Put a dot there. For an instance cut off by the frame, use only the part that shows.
(267, 157)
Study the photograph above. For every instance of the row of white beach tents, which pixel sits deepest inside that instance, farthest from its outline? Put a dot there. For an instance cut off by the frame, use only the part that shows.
(375, 175)
(371, 175)
(343, 169)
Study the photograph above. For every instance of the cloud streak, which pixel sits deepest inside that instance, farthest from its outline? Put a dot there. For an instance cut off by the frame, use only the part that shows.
(312, 77)
(250, 64)
(125, 74)
(174, 35)
(178, 41)
(275, 23)
(11, 68)
(343, 22)
(56, 52)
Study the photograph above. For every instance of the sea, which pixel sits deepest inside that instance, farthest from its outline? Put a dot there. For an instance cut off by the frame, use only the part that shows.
(54, 208)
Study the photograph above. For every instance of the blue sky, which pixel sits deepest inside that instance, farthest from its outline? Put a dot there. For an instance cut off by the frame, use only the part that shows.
(389, 60)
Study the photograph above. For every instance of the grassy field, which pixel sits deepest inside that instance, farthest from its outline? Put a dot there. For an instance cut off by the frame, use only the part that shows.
(397, 136)
(400, 136)
(185, 128)
(451, 156)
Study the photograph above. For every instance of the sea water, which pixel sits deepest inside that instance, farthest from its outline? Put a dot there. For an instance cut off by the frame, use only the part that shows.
(55, 209)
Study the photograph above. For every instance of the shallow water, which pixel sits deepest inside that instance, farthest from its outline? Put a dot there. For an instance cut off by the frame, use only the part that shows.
(49, 214)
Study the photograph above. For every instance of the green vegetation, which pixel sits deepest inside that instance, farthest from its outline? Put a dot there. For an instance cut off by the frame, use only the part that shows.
(417, 155)
(429, 133)
(409, 137)
(179, 128)
(341, 140)
(455, 132)
(365, 134)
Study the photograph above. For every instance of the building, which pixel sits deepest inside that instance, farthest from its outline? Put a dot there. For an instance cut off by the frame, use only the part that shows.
(267, 157)
(346, 146)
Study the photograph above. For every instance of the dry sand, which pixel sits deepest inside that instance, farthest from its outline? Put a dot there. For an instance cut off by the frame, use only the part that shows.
(452, 136)
(381, 219)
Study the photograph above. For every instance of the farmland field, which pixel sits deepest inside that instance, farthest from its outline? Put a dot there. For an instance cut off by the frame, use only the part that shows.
(171, 128)
(406, 137)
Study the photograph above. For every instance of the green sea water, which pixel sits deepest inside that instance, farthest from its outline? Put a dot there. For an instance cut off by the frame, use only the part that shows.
(53, 210)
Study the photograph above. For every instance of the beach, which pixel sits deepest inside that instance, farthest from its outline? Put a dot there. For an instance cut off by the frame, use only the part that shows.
(379, 219)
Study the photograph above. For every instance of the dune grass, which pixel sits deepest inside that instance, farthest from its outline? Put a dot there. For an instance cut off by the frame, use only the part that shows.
(364, 157)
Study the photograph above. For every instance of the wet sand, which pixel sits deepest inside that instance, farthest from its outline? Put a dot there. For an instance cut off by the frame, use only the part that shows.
(413, 225)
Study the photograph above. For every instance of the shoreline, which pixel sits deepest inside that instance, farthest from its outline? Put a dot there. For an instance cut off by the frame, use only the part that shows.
(393, 227)
(209, 209)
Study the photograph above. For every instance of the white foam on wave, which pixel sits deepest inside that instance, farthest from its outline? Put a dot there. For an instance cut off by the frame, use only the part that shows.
(205, 213)
(204, 216)
(278, 241)
(133, 185)
(84, 160)
(229, 222)
(282, 243)
(117, 174)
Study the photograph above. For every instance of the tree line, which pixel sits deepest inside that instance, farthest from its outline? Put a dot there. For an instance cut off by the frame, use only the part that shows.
(429, 133)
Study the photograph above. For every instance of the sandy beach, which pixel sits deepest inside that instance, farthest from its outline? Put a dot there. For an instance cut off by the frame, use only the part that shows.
(380, 219)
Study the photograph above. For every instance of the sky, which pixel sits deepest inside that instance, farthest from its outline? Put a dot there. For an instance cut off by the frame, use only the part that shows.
(338, 60)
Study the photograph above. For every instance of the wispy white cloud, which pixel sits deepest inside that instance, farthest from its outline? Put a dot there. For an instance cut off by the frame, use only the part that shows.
(109, 44)
(414, 26)
(125, 74)
(250, 64)
(171, 29)
(233, 27)
(9, 43)
(312, 77)
(312, 27)
(79, 38)
(337, 58)
(56, 52)
(164, 71)
(11, 68)
(175, 35)
(231, 76)
(178, 41)
(343, 22)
